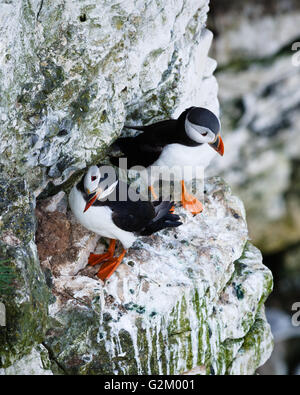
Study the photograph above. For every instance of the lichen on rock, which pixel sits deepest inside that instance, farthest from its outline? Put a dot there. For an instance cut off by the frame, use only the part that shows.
(25, 294)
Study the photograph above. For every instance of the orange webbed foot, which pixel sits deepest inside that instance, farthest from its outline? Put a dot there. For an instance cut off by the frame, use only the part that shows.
(190, 202)
(151, 189)
(94, 259)
(110, 266)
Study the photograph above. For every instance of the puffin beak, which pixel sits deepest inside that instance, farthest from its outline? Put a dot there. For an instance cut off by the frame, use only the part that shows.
(93, 199)
(218, 145)
(100, 194)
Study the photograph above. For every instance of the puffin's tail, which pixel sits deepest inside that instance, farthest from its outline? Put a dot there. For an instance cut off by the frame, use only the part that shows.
(121, 148)
(122, 144)
(164, 218)
(134, 127)
(124, 147)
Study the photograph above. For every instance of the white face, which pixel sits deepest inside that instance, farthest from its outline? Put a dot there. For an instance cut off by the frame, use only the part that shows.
(199, 133)
(92, 179)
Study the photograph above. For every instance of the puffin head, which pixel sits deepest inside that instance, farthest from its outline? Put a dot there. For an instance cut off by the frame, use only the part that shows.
(203, 126)
(91, 180)
(92, 186)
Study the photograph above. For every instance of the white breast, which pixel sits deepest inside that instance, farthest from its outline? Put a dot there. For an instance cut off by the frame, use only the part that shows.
(180, 155)
(98, 219)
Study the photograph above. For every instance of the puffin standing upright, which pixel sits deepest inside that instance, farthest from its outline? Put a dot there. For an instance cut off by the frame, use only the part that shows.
(184, 142)
(115, 219)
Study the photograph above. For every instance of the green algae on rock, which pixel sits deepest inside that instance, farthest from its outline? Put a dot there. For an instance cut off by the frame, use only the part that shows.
(26, 294)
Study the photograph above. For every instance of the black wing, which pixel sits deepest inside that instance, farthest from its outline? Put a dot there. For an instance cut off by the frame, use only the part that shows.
(144, 218)
(145, 149)
(161, 125)
(132, 216)
(157, 134)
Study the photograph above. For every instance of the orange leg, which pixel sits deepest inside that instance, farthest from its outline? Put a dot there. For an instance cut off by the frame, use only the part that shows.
(151, 189)
(109, 267)
(155, 197)
(94, 259)
(189, 202)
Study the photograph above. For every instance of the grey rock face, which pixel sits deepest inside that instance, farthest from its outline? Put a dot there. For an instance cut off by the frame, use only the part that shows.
(23, 289)
(37, 362)
(71, 74)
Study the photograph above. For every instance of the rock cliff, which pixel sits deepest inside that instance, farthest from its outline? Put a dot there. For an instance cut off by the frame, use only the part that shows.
(71, 75)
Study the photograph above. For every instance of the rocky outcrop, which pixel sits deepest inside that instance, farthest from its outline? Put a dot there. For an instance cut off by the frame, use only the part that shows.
(185, 298)
(191, 298)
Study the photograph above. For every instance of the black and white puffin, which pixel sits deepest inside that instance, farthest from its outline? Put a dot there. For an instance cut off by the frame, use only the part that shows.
(186, 141)
(115, 219)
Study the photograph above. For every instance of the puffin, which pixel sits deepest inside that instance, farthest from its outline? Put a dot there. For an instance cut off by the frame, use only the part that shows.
(186, 141)
(98, 207)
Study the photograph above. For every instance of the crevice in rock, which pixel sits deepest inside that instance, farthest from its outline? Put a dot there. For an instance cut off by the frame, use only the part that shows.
(52, 358)
(82, 18)
(39, 11)
(255, 326)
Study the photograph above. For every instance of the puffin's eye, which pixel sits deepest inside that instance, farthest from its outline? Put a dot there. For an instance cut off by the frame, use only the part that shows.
(204, 134)
(93, 178)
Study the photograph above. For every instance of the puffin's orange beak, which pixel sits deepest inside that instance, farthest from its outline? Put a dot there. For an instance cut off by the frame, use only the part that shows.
(218, 145)
(92, 200)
